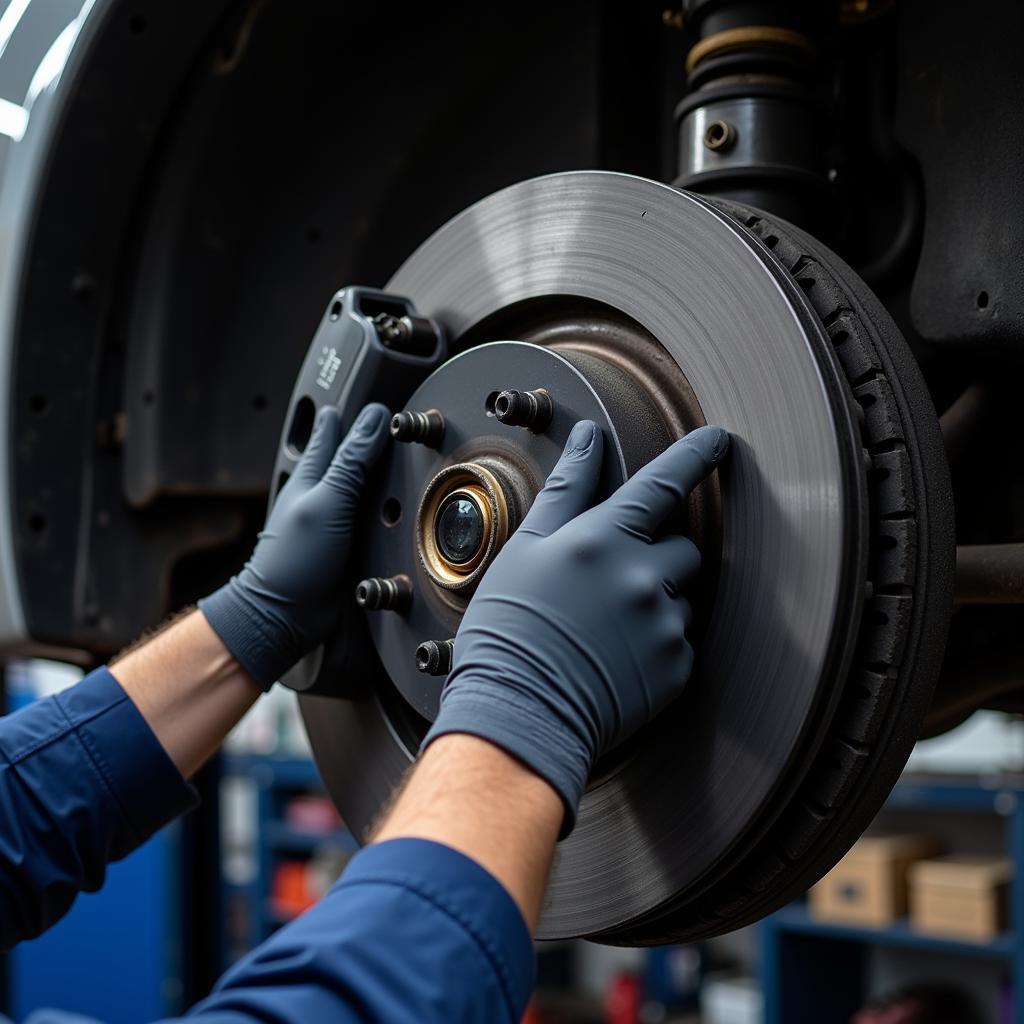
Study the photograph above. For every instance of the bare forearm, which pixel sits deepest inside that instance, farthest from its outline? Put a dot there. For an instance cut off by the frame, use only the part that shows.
(470, 795)
(189, 688)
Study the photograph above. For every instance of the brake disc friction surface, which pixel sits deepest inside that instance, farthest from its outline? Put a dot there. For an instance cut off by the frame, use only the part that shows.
(783, 619)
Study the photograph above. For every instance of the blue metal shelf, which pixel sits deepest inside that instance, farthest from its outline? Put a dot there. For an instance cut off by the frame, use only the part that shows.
(803, 978)
(283, 836)
(273, 771)
(796, 918)
(275, 779)
(991, 794)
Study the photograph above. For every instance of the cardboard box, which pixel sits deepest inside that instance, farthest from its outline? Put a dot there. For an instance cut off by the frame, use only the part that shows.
(869, 885)
(960, 896)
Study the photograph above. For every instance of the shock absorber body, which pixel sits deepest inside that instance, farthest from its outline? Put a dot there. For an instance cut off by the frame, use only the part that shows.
(753, 127)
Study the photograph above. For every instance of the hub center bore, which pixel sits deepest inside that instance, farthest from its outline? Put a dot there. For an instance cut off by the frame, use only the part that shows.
(460, 527)
(462, 522)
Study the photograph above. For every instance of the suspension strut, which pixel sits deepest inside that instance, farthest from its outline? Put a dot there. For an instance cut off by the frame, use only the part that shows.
(753, 125)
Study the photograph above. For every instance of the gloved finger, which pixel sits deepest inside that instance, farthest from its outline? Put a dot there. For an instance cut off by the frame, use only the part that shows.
(687, 609)
(648, 497)
(679, 561)
(317, 456)
(569, 490)
(678, 653)
(686, 660)
(361, 448)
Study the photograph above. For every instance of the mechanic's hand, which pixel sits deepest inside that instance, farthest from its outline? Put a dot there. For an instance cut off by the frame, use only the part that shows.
(577, 635)
(289, 595)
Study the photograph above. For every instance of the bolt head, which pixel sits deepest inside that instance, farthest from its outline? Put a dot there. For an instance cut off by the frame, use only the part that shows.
(719, 136)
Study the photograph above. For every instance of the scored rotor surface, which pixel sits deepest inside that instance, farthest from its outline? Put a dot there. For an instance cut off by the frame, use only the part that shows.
(680, 802)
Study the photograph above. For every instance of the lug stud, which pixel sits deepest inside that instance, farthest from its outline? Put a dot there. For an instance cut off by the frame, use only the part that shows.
(385, 593)
(425, 428)
(530, 409)
(434, 657)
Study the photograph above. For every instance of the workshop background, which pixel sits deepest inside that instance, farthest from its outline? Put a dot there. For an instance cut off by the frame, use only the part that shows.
(220, 121)
(877, 933)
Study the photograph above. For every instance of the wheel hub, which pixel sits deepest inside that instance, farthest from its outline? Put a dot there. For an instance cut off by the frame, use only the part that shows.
(471, 489)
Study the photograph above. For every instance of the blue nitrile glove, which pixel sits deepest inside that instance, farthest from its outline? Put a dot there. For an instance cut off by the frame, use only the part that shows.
(289, 595)
(577, 635)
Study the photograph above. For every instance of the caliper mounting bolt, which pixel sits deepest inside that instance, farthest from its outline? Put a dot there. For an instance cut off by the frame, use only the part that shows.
(434, 657)
(530, 409)
(385, 593)
(418, 427)
(416, 335)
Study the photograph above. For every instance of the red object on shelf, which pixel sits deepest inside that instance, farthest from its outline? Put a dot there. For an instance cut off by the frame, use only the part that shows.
(922, 1004)
(623, 1000)
(291, 893)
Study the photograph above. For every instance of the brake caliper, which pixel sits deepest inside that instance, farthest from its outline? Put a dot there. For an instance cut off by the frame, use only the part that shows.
(370, 347)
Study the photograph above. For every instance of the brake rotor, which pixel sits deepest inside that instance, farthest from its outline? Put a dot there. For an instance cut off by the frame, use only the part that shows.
(704, 824)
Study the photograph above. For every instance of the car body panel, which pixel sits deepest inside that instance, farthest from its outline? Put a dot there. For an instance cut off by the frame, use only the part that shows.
(37, 42)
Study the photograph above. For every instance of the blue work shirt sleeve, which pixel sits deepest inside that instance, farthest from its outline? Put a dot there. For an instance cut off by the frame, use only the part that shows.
(83, 782)
(412, 933)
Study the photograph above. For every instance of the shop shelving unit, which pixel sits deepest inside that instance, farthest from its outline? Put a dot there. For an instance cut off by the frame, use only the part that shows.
(813, 972)
(251, 914)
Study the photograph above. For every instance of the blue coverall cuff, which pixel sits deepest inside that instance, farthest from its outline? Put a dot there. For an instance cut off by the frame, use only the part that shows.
(139, 775)
(470, 894)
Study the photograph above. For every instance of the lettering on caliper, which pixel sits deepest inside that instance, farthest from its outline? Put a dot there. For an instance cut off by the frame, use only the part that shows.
(328, 362)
